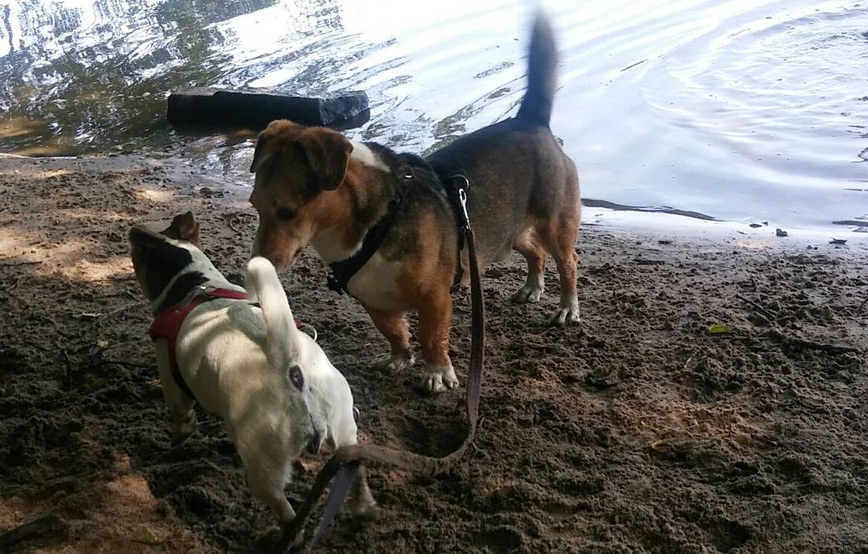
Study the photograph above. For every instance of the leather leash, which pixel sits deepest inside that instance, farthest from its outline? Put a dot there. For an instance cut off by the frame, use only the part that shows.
(348, 458)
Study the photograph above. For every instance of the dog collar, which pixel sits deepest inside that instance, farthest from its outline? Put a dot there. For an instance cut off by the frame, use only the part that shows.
(167, 324)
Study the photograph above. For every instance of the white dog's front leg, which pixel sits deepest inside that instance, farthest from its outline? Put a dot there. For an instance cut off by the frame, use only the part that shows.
(267, 481)
(182, 418)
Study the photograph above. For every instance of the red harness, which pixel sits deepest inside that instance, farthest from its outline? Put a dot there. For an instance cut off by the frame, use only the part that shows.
(167, 325)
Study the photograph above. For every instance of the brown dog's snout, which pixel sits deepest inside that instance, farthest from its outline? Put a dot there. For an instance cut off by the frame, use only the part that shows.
(279, 251)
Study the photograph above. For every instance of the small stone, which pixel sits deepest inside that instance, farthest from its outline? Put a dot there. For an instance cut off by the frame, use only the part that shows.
(781, 233)
(827, 313)
(494, 273)
(145, 535)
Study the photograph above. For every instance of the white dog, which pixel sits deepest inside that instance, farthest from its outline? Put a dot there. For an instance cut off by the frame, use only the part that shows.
(250, 365)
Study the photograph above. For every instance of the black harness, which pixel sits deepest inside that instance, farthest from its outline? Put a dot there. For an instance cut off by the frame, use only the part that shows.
(342, 271)
(454, 187)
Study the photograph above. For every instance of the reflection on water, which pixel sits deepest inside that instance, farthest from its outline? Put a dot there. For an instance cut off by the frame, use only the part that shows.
(738, 109)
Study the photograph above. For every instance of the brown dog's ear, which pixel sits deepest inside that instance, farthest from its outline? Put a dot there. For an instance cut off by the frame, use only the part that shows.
(259, 152)
(327, 153)
(184, 227)
(278, 129)
(143, 237)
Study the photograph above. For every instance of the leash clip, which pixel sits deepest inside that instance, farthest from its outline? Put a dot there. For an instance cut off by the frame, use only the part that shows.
(462, 196)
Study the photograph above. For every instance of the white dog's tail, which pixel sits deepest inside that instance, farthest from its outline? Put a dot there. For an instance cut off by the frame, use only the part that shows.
(262, 284)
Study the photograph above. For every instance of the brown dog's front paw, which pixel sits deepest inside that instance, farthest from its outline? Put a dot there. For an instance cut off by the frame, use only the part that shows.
(566, 316)
(395, 362)
(439, 379)
(528, 294)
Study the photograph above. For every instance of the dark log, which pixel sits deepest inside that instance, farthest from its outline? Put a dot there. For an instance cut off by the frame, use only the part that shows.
(214, 109)
(39, 526)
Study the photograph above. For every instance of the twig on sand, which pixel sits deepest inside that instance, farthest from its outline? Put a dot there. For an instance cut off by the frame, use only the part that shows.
(777, 333)
(230, 221)
(123, 308)
(39, 526)
(716, 306)
(646, 261)
(67, 369)
(125, 363)
(771, 317)
(18, 282)
(94, 315)
(123, 277)
(805, 343)
(546, 331)
(862, 305)
(9, 263)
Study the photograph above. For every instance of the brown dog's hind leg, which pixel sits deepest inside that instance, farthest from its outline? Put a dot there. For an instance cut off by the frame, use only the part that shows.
(559, 236)
(394, 327)
(527, 244)
(435, 318)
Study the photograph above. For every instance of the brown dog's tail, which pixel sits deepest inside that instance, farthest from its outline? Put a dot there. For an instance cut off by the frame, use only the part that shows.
(536, 106)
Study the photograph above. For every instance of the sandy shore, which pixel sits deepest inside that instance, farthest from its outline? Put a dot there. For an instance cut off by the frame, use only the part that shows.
(638, 431)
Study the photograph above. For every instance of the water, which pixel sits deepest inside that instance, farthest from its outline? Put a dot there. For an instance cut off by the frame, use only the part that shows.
(738, 110)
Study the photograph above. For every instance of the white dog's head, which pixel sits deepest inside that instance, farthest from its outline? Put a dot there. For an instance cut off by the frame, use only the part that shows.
(328, 398)
(320, 400)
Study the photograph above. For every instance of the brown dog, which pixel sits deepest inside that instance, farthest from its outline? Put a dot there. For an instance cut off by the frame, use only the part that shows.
(314, 186)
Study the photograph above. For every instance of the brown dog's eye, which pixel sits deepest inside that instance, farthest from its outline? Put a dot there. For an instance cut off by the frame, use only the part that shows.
(296, 377)
(285, 214)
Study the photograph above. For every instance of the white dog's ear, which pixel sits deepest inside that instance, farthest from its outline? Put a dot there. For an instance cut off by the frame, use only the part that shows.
(184, 227)
(143, 237)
